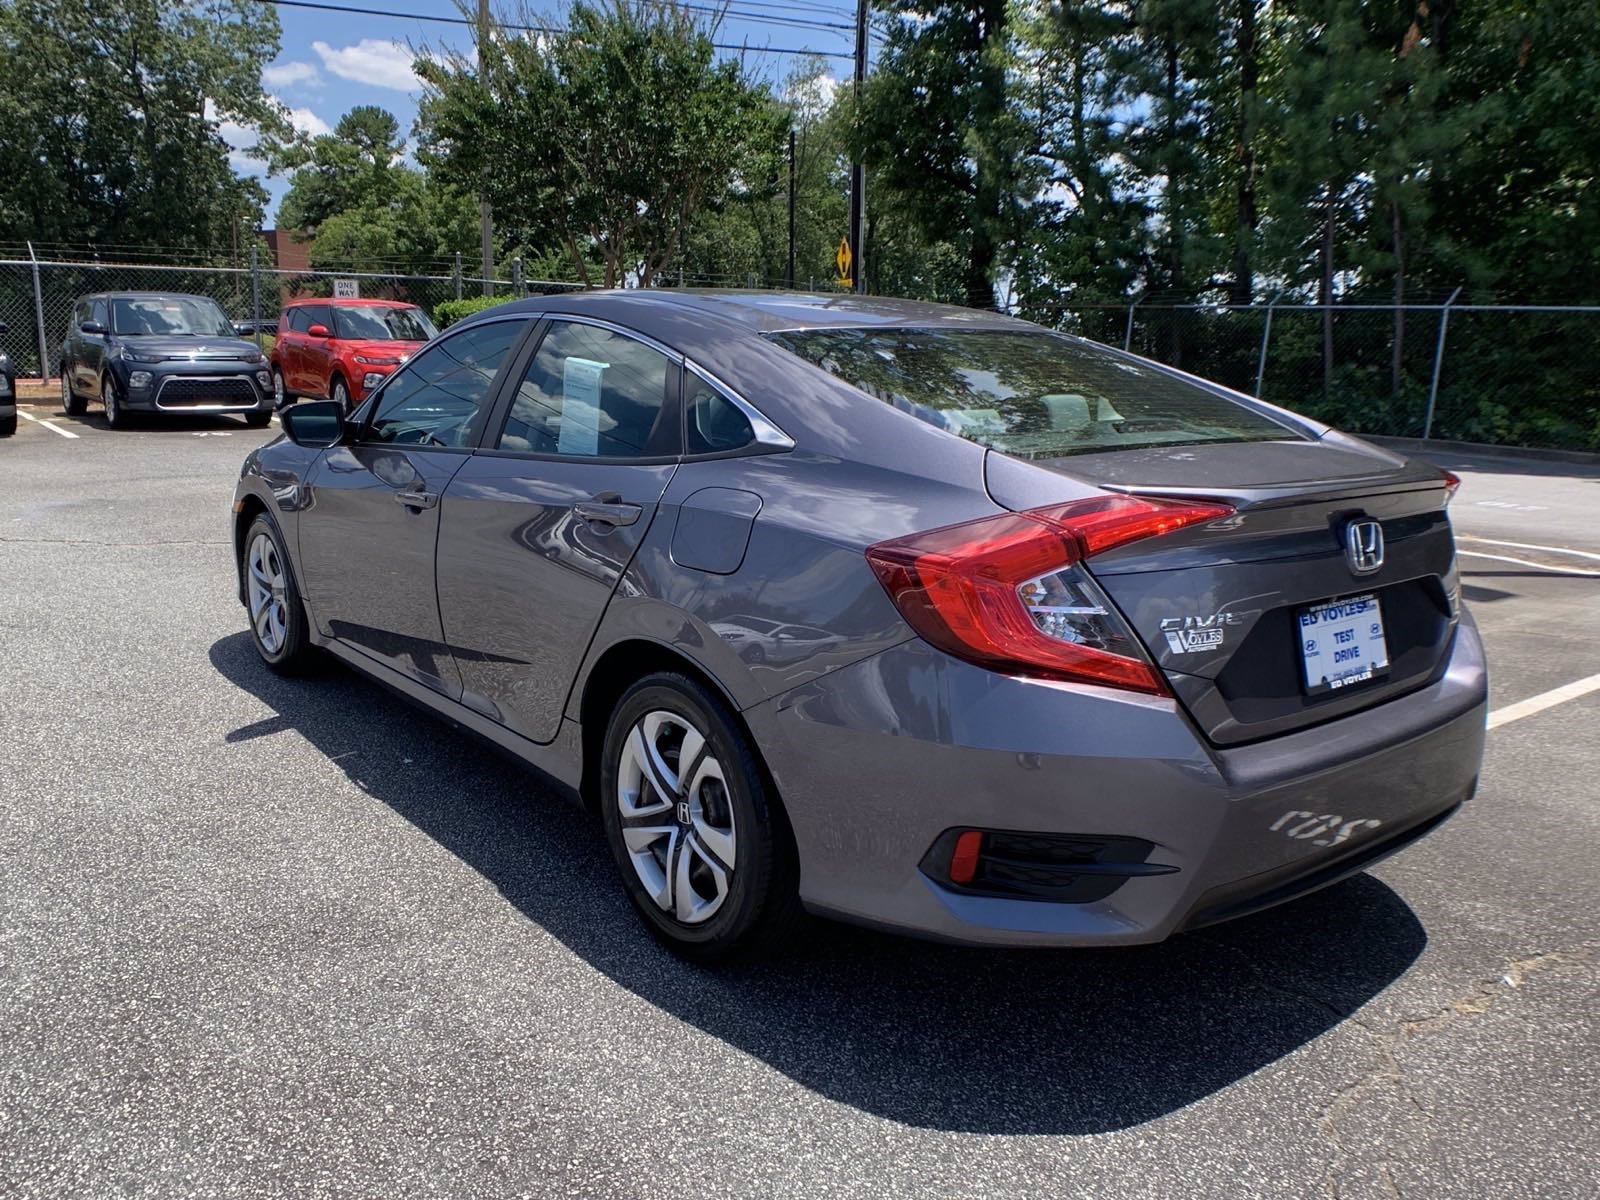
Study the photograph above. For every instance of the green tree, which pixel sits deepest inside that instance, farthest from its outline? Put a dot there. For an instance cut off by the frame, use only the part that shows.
(356, 166)
(606, 139)
(108, 119)
(947, 153)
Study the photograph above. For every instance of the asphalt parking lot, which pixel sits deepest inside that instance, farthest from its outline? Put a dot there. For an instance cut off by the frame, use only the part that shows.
(267, 937)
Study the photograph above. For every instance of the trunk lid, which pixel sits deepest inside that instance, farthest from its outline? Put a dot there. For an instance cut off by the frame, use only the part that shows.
(1218, 606)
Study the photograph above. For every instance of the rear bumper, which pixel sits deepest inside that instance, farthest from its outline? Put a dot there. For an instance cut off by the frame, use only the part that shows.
(876, 760)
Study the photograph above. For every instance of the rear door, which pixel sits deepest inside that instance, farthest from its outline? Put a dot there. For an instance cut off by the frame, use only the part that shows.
(316, 352)
(539, 526)
(369, 532)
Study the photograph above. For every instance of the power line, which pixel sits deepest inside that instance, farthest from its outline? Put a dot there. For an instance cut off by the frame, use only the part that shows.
(351, 10)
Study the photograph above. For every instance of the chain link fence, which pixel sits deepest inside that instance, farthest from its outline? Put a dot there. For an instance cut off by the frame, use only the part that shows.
(1496, 374)
(37, 297)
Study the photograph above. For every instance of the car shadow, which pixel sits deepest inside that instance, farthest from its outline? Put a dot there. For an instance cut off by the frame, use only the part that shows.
(1013, 1042)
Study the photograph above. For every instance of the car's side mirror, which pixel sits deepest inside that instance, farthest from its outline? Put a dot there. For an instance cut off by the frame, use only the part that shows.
(93, 327)
(315, 424)
(318, 331)
(242, 329)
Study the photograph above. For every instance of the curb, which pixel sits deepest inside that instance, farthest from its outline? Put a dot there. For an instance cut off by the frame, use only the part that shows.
(1581, 458)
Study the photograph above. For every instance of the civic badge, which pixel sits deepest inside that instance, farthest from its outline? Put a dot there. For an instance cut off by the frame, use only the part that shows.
(1363, 546)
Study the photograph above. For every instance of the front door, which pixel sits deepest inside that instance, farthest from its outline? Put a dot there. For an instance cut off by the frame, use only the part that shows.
(315, 354)
(538, 528)
(368, 539)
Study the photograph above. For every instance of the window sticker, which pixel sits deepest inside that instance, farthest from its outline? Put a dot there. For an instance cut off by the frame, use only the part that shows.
(580, 406)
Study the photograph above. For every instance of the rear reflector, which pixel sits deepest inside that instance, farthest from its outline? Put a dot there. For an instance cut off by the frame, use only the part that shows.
(964, 858)
(1006, 592)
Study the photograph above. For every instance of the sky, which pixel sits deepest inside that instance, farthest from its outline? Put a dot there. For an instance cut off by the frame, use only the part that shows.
(332, 61)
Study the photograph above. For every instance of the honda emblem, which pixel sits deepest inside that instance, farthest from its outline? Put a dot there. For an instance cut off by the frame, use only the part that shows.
(1363, 546)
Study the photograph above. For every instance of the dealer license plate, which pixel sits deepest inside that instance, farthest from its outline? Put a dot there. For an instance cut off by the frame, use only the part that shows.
(1342, 643)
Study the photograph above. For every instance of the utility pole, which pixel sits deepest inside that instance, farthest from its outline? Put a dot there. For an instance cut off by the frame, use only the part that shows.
(485, 214)
(858, 173)
(788, 275)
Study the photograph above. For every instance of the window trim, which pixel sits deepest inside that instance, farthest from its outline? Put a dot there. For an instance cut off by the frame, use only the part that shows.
(369, 406)
(496, 429)
(768, 439)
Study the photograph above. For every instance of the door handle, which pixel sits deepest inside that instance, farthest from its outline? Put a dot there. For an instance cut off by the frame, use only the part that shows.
(607, 511)
(416, 499)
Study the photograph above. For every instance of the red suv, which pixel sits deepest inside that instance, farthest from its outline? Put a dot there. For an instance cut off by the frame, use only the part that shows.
(342, 349)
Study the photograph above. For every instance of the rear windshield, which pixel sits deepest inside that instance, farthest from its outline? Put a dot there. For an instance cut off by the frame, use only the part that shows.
(380, 323)
(1033, 395)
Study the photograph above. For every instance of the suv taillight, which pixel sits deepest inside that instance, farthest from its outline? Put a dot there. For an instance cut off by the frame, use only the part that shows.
(1007, 592)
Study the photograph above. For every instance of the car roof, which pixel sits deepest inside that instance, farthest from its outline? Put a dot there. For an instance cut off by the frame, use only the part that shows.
(145, 295)
(651, 310)
(345, 301)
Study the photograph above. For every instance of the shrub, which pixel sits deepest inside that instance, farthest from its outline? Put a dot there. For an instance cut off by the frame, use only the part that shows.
(447, 312)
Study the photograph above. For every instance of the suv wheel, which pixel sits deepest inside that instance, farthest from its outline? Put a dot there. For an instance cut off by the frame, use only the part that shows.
(702, 845)
(281, 395)
(340, 395)
(71, 403)
(116, 415)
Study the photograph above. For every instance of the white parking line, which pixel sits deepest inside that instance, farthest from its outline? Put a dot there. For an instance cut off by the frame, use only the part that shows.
(1536, 704)
(50, 425)
(1522, 562)
(1467, 537)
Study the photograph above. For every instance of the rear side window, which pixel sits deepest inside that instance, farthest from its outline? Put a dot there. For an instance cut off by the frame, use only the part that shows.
(593, 393)
(1032, 395)
(715, 424)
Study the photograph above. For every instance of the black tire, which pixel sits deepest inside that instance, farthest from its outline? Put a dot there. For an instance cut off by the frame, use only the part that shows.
(72, 404)
(258, 420)
(760, 906)
(294, 653)
(282, 397)
(116, 414)
(8, 425)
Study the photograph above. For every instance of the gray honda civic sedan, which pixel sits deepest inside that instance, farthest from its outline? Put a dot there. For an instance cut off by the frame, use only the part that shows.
(915, 616)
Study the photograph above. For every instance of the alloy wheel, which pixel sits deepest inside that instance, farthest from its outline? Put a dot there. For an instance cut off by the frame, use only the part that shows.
(108, 394)
(677, 817)
(66, 392)
(341, 396)
(277, 389)
(265, 589)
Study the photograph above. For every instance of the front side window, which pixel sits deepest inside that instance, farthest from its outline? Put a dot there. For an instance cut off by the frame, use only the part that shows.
(593, 393)
(381, 323)
(319, 314)
(168, 316)
(1029, 394)
(299, 320)
(440, 397)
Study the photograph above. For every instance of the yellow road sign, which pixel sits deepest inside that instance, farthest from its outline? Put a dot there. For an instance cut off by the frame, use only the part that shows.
(842, 260)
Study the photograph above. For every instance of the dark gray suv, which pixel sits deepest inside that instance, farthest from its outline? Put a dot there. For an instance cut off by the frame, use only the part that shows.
(915, 616)
(160, 352)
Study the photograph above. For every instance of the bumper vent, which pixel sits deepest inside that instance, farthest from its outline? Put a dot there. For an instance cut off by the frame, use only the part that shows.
(1065, 868)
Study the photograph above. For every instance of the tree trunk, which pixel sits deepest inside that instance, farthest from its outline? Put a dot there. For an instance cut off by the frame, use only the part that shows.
(1325, 295)
(1397, 353)
(1175, 279)
(1244, 233)
(989, 110)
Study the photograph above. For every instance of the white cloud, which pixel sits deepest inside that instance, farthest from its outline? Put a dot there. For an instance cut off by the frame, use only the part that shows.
(308, 123)
(290, 73)
(375, 61)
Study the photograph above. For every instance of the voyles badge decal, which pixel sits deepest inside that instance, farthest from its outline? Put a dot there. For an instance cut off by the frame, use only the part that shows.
(1190, 635)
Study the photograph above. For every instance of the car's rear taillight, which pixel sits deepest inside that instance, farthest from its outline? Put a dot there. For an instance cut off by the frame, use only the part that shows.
(1452, 484)
(1007, 592)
